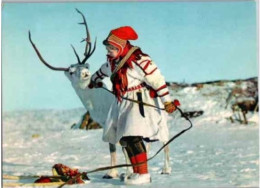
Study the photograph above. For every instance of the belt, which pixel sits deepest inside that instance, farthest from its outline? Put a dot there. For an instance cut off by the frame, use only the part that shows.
(136, 87)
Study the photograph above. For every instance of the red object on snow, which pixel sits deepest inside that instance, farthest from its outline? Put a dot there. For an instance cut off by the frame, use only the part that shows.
(176, 102)
(43, 180)
(64, 170)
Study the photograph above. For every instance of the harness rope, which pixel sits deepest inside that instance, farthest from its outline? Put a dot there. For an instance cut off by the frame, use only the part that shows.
(134, 101)
(129, 165)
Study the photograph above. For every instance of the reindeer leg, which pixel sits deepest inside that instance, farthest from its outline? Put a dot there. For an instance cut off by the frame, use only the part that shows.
(113, 173)
(129, 170)
(245, 119)
(148, 147)
(239, 116)
(167, 167)
(231, 119)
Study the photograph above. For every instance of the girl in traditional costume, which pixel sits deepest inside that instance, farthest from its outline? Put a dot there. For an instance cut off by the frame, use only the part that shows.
(135, 76)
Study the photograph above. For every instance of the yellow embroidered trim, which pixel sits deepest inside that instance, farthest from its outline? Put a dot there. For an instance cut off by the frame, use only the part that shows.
(117, 40)
(122, 62)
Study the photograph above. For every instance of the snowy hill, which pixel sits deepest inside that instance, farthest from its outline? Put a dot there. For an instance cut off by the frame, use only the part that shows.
(214, 153)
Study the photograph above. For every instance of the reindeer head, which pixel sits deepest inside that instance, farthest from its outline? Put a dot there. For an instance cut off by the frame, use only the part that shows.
(78, 73)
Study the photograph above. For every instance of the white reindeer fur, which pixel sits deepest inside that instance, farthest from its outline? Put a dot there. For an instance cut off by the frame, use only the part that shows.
(97, 101)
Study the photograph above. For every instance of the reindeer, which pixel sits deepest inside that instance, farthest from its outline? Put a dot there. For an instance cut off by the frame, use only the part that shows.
(243, 105)
(242, 101)
(97, 101)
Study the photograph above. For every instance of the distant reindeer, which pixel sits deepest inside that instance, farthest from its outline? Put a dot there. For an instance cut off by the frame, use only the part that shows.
(244, 105)
(97, 101)
(241, 104)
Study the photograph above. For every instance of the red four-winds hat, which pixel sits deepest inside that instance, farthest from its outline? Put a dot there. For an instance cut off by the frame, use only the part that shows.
(119, 37)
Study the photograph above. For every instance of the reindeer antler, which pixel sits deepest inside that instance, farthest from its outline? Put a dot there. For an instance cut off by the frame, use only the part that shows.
(88, 51)
(42, 60)
(88, 47)
(76, 54)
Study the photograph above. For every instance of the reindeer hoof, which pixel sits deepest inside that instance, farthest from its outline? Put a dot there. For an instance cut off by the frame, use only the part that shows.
(111, 175)
(166, 171)
(123, 176)
(106, 176)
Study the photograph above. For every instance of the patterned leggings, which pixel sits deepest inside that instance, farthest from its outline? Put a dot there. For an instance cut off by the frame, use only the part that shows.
(134, 145)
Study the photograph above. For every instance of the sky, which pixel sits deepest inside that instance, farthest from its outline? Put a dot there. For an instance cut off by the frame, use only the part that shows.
(189, 41)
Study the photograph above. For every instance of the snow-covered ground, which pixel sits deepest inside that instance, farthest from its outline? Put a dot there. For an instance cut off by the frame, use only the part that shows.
(214, 153)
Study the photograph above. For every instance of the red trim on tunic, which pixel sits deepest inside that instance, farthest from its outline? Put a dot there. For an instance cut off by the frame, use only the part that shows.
(143, 69)
(143, 61)
(151, 71)
(136, 87)
(139, 66)
(164, 94)
(160, 88)
(147, 64)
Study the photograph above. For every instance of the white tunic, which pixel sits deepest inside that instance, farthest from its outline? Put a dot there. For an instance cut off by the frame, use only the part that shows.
(124, 118)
